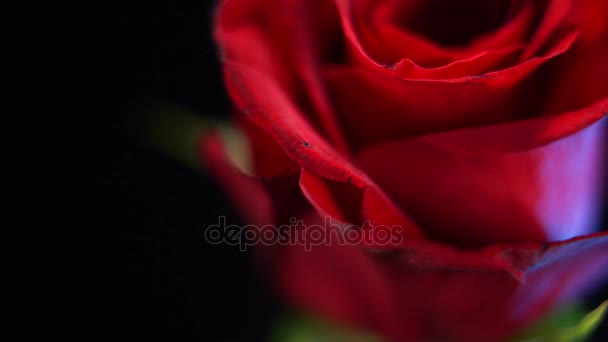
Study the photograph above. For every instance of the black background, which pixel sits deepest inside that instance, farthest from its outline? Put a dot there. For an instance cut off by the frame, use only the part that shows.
(133, 263)
(171, 283)
(118, 249)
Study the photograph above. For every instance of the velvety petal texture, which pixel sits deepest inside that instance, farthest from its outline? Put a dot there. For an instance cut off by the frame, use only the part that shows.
(372, 107)
(491, 188)
(421, 290)
(404, 300)
(472, 130)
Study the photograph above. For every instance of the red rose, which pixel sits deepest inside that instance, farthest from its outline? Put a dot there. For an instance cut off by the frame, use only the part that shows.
(474, 127)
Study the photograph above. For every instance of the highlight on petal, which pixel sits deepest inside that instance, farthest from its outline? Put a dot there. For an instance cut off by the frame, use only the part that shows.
(546, 186)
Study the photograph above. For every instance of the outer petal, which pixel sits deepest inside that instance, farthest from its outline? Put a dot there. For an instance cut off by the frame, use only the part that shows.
(271, 196)
(532, 180)
(267, 93)
(400, 298)
(277, 37)
(270, 108)
(422, 290)
(251, 198)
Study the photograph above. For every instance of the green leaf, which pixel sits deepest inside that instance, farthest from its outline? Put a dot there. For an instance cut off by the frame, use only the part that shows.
(565, 327)
(590, 322)
(298, 328)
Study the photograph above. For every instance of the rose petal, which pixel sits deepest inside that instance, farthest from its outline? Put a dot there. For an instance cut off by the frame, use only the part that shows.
(266, 33)
(342, 201)
(531, 180)
(357, 208)
(480, 63)
(268, 106)
(378, 42)
(401, 299)
(580, 77)
(408, 294)
(372, 107)
(588, 16)
(251, 199)
(268, 158)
